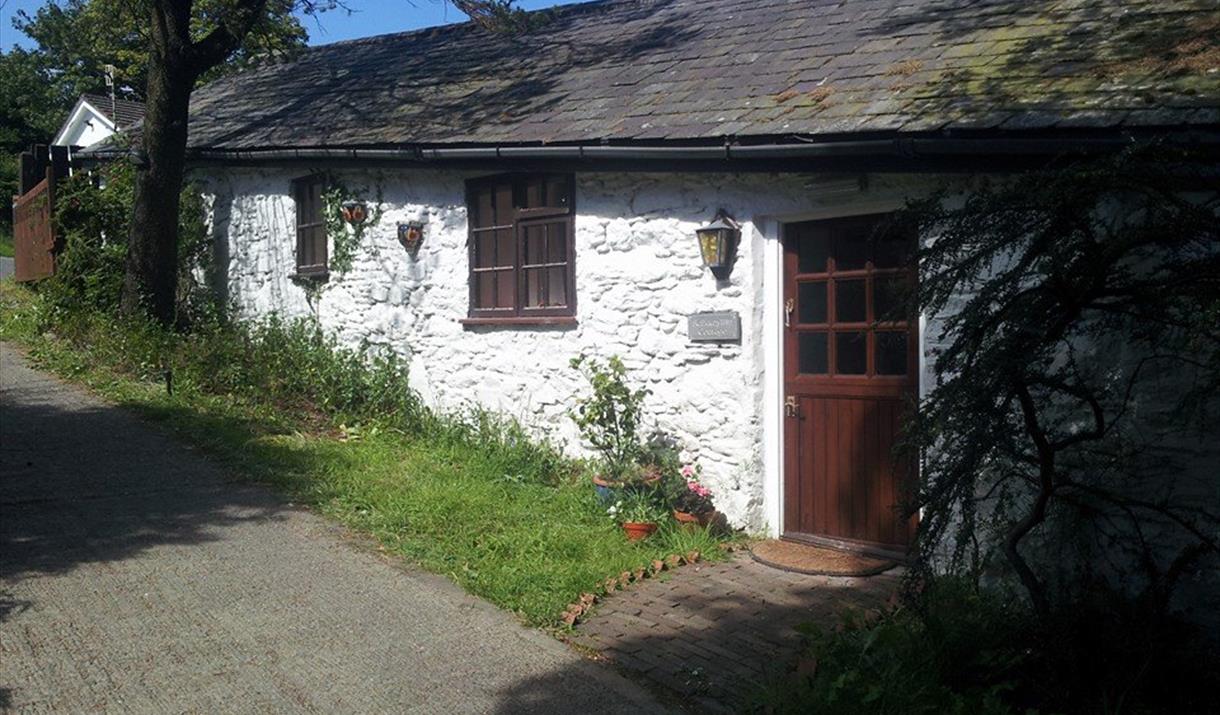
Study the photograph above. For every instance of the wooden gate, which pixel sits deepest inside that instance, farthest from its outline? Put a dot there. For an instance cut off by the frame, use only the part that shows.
(33, 232)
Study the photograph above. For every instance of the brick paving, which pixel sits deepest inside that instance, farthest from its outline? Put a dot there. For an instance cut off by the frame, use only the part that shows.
(137, 577)
(709, 632)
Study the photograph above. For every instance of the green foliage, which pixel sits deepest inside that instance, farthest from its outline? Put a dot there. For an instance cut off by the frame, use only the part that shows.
(6, 241)
(1068, 294)
(610, 418)
(954, 658)
(91, 223)
(640, 507)
(683, 491)
(953, 648)
(296, 366)
(30, 111)
(77, 38)
(92, 220)
(346, 238)
(472, 496)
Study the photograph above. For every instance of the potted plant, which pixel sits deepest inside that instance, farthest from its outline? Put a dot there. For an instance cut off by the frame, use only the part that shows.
(638, 513)
(609, 419)
(690, 500)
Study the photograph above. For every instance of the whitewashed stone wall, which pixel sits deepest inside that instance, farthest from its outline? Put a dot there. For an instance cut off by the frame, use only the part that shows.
(638, 275)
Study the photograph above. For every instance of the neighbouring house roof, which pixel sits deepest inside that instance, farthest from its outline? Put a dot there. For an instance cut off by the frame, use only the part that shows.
(124, 112)
(649, 71)
(110, 116)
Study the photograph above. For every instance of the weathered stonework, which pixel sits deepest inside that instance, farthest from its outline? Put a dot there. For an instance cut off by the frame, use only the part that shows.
(638, 276)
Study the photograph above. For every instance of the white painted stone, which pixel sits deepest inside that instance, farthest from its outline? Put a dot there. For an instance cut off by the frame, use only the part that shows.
(638, 275)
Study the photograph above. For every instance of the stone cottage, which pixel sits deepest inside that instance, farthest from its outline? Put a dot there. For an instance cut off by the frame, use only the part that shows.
(533, 197)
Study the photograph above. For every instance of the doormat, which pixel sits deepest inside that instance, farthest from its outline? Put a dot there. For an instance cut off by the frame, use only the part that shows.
(817, 560)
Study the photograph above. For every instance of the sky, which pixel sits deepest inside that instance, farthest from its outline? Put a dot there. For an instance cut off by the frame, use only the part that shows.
(371, 17)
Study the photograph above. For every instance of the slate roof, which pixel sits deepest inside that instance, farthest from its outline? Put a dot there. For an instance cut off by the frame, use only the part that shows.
(127, 112)
(652, 71)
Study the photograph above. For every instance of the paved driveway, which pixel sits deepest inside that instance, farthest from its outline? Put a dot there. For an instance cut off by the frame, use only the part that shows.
(136, 577)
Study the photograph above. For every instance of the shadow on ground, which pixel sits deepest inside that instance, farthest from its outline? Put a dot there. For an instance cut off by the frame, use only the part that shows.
(132, 494)
(706, 636)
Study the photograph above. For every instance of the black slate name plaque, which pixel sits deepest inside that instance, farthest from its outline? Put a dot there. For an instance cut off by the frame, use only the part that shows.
(718, 327)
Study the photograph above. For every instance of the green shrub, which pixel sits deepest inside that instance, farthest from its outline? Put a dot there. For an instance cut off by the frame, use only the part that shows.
(954, 648)
(610, 417)
(903, 661)
(92, 223)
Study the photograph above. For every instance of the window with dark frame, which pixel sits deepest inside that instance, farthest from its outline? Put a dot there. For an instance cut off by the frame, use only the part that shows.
(311, 225)
(852, 310)
(522, 258)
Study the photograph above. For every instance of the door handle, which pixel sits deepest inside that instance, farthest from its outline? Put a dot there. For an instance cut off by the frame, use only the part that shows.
(789, 306)
(790, 407)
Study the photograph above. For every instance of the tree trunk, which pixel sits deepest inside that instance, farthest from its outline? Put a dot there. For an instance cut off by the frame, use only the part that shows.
(152, 251)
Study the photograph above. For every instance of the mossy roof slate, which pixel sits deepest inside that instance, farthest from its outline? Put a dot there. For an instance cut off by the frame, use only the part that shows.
(676, 70)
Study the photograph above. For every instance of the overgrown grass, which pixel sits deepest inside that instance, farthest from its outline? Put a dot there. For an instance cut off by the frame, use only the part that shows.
(472, 496)
(6, 241)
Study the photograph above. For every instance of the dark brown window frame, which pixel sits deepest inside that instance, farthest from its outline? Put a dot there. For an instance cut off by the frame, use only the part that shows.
(314, 269)
(522, 219)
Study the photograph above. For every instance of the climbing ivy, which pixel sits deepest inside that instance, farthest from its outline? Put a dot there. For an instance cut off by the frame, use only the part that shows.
(345, 237)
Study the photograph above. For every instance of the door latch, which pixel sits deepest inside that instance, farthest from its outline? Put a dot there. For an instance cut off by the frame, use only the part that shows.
(790, 408)
(789, 306)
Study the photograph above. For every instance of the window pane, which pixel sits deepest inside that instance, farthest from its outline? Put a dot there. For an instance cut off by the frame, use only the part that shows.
(891, 353)
(851, 252)
(535, 195)
(484, 210)
(535, 244)
(557, 289)
(557, 242)
(485, 249)
(506, 249)
(811, 251)
(535, 281)
(302, 247)
(315, 202)
(890, 296)
(506, 288)
(849, 302)
(503, 204)
(548, 192)
(811, 302)
(850, 353)
(811, 353)
(485, 290)
(317, 234)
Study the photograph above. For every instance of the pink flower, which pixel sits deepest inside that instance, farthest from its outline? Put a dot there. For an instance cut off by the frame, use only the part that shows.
(688, 471)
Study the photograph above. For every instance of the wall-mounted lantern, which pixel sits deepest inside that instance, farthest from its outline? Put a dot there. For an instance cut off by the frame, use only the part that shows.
(354, 212)
(410, 235)
(718, 244)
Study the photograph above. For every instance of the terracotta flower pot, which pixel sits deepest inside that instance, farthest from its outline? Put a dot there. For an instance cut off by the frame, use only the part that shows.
(610, 491)
(693, 520)
(636, 530)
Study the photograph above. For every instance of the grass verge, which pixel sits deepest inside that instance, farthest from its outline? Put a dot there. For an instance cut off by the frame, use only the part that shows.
(471, 498)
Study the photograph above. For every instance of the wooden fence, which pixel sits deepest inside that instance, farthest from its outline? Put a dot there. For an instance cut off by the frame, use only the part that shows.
(33, 232)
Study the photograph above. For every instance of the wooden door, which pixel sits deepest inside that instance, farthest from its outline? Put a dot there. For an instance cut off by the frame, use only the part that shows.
(849, 376)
